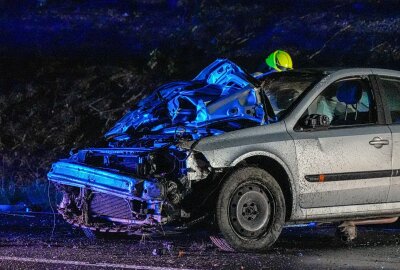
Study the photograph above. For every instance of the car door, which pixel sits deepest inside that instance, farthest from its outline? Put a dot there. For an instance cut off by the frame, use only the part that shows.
(390, 87)
(348, 163)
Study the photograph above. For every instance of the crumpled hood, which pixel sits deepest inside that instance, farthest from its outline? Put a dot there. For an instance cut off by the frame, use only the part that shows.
(221, 98)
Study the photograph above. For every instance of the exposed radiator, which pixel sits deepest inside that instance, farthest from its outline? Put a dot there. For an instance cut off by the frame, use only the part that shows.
(111, 206)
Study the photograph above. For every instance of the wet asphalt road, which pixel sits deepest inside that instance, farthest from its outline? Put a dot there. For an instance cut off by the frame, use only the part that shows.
(25, 243)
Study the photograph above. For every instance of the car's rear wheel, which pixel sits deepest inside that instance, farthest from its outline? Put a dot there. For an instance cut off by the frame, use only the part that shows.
(250, 210)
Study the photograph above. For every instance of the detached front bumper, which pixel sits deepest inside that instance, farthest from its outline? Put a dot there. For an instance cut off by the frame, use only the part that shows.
(104, 181)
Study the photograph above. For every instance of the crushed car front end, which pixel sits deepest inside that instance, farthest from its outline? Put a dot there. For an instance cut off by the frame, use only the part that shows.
(126, 189)
(149, 177)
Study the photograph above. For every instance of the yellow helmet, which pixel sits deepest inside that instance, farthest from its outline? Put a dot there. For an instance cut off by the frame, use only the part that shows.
(279, 60)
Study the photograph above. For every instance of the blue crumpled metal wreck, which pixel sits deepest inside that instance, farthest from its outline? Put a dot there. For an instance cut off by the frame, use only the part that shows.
(142, 178)
(221, 92)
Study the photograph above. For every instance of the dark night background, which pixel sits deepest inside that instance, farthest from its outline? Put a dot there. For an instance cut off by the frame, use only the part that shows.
(69, 69)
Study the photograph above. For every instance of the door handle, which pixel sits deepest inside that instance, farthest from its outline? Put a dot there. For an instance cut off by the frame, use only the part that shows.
(378, 142)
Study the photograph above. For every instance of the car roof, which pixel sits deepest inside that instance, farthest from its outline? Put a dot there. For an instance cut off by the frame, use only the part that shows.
(321, 70)
(333, 73)
(331, 70)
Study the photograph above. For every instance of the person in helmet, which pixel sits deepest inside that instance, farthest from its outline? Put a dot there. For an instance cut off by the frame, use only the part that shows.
(277, 61)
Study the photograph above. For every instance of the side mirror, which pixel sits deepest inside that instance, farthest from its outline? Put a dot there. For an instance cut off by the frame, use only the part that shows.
(314, 121)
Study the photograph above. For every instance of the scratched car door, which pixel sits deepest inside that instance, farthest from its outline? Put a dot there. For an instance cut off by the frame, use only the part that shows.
(349, 162)
(390, 85)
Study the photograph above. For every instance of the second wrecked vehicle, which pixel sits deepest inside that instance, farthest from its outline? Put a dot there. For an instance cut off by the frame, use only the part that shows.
(253, 154)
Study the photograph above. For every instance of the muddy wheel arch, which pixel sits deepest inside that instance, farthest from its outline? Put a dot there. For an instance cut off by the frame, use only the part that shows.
(277, 168)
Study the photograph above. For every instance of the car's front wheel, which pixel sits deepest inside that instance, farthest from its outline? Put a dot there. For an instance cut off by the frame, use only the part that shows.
(250, 210)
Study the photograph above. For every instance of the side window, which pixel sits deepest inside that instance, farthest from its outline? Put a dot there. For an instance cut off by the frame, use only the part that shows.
(346, 102)
(391, 89)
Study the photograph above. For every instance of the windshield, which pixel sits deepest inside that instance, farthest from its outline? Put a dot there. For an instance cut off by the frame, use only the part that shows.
(285, 89)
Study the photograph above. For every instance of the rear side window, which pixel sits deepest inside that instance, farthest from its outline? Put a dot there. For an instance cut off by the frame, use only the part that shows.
(391, 88)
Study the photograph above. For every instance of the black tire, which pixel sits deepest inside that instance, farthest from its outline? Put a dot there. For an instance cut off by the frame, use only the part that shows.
(250, 210)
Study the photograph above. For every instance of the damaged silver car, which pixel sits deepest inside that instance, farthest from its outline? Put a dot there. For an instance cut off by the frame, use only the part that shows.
(250, 154)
